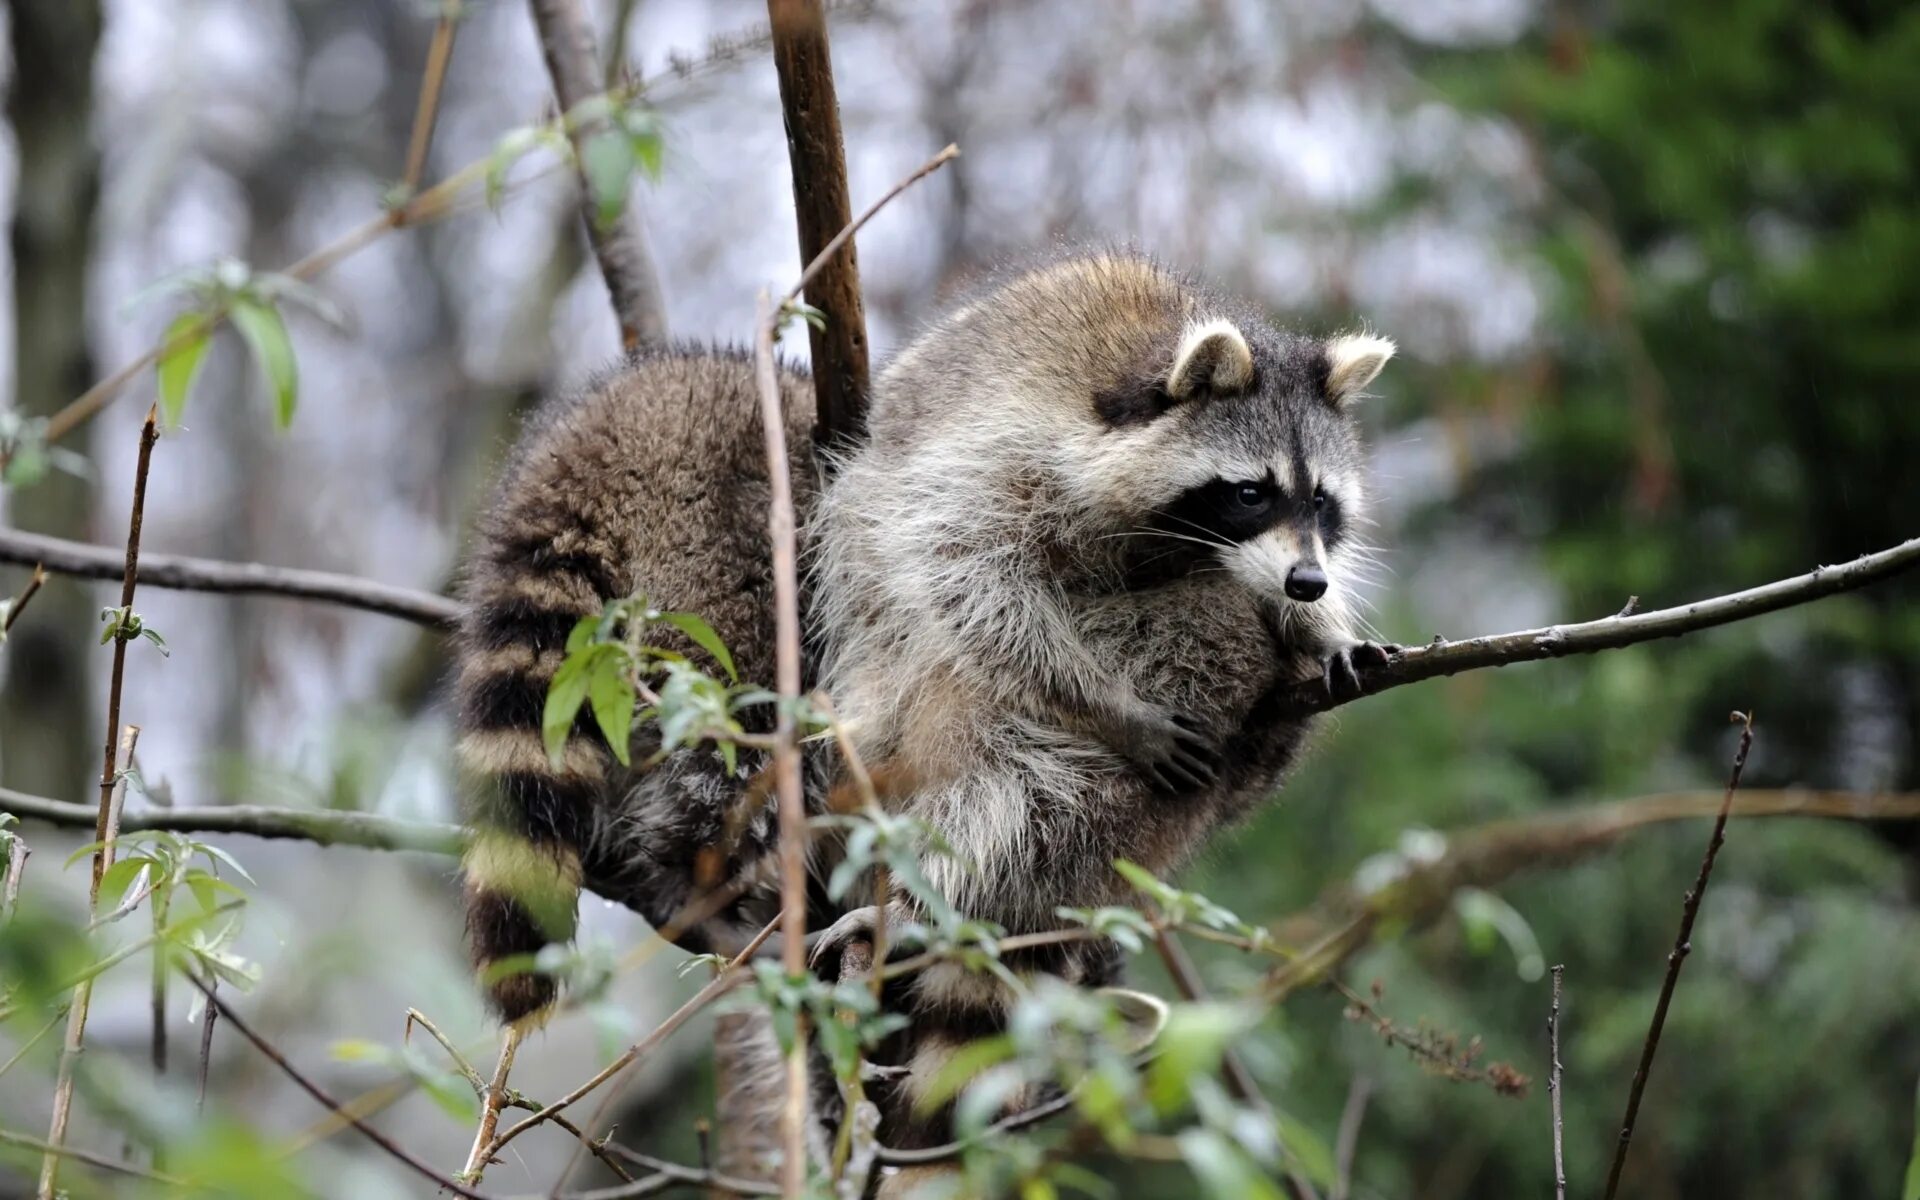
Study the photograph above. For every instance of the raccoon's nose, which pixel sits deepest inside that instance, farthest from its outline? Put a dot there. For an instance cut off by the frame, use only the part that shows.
(1306, 582)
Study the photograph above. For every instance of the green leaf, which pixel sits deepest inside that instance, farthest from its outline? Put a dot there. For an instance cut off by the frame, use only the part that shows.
(704, 636)
(266, 336)
(180, 366)
(216, 853)
(960, 1069)
(610, 693)
(358, 1050)
(119, 877)
(607, 162)
(85, 851)
(583, 634)
(1223, 1169)
(565, 695)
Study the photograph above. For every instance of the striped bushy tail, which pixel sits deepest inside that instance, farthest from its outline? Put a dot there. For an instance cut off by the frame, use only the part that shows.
(532, 815)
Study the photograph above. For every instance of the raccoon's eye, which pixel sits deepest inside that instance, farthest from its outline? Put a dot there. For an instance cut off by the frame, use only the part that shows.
(1319, 499)
(1250, 495)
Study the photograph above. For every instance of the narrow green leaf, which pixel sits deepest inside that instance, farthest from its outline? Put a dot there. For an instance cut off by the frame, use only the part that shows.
(180, 366)
(610, 693)
(266, 336)
(215, 852)
(703, 635)
(565, 695)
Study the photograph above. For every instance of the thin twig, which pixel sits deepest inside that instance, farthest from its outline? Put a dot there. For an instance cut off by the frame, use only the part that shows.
(786, 753)
(104, 823)
(715, 988)
(820, 261)
(33, 1041)
(1609, 633)
(1682, 946)
(1553, 1088)
(1346, 1142)
(208, 1015)
(393, 1149)
(439, 51)
(493, 1098)
(669, 1175)
(19, 605)
(567, 43)
(177, 571)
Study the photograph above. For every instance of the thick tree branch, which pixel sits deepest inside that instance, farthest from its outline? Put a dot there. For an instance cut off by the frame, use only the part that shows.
(822, 210)
(1609, 633)
(182, 573)
(566, 40)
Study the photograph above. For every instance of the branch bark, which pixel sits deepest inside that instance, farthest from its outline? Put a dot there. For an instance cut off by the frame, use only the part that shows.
(1609, 633)
(182, 573)
(818, 156)
(320, 826)
(567, 43)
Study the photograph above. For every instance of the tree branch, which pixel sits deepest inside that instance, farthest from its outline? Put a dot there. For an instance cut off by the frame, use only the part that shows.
(566, 41)
(818, 156)
(323, 827)
(1553, 1088)
(182, 573)
(1609, 633)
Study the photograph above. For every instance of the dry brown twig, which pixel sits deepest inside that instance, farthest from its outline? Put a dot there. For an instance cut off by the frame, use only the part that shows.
(19, 605)
(1682, 946)
(433, 79)
(1553, 1088)
(493, 1098)
(1346, 1142)
(104, 824)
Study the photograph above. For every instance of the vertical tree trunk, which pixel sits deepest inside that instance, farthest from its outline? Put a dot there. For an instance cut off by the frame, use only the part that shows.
(47, 740)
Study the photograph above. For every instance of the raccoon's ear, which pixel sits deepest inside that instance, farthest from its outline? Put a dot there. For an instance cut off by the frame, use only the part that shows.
(1352, 362)
(1213, 358)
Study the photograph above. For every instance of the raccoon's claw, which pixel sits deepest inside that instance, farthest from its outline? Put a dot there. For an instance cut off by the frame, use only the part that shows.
(830, 943)
(1177, 755)
(1342, 673)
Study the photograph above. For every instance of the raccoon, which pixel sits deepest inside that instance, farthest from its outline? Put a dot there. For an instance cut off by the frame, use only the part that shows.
(1103, 519)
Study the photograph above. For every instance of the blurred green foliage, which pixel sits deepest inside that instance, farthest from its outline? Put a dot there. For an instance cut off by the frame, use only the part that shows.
(1724, 397)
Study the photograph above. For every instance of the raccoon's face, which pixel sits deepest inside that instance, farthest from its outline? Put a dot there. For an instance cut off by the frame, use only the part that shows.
(1244, 457)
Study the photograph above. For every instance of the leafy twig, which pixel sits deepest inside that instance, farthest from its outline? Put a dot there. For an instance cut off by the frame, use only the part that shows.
(104, 823)
(393, 1149)
(323, 827)
(566, 41)
(1682, 945)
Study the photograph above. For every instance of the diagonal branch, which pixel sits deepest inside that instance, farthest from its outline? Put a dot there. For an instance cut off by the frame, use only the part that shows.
(566, 40)
(323, 827)
(1677, 957)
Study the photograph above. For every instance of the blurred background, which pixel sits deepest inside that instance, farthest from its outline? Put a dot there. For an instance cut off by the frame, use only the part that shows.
(1652, 270)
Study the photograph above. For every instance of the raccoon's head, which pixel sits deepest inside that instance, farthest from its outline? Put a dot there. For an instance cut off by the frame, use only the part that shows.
(1217, 442)
(1182, 432)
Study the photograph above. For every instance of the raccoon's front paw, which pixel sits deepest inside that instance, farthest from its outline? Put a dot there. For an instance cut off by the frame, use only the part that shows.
(1345, 664)
(1173, 750)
